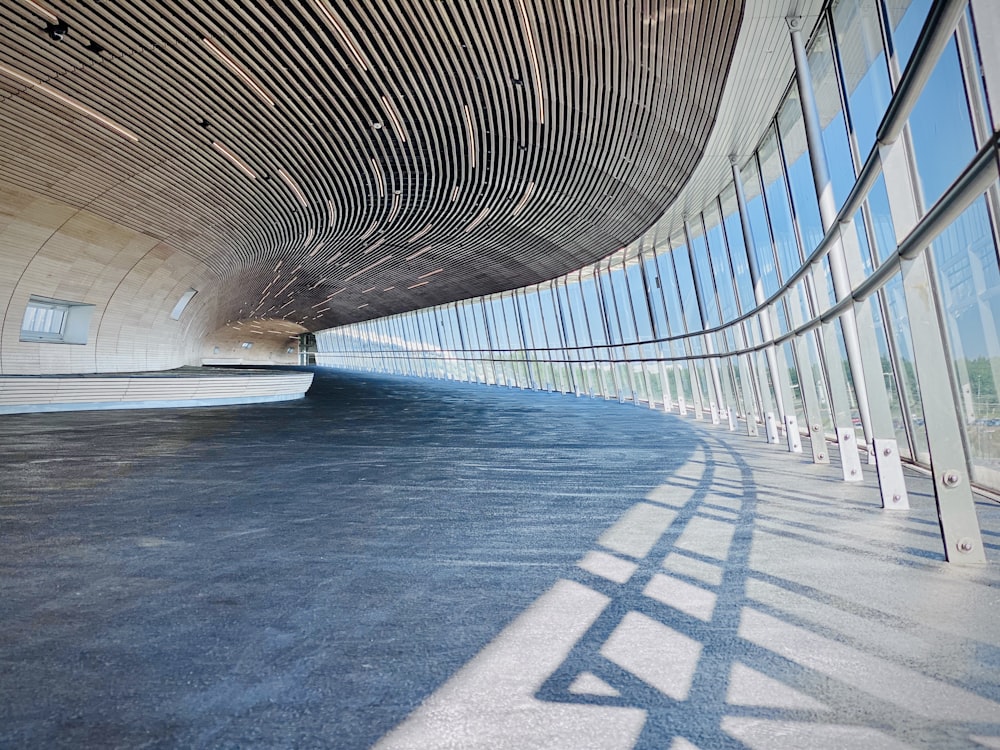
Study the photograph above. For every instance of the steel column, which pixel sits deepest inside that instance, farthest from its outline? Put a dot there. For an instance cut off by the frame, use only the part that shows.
(837, 261)
(949, 464)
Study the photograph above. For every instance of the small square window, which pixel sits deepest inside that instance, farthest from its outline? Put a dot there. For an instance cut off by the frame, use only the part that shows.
(55, 321)
(44, 319)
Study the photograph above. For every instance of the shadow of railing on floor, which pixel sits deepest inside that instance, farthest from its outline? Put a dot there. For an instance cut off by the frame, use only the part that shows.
(722, 611)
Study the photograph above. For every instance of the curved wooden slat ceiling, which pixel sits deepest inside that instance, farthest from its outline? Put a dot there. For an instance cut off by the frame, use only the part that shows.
(337, 161)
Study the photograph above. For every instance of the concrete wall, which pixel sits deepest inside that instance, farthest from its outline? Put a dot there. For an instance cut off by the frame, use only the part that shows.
(271, 341)
(54, 250)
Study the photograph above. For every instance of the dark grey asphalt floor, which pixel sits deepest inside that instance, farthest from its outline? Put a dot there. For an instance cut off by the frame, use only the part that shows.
(421, 564)
(298, 574)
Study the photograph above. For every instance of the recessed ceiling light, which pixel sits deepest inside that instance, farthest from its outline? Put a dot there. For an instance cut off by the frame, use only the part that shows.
(69, 101)
(242, 165)
(533, 55)
(376, 245)
(234, 66)
(370, 231)
(524, 198)
(41, 10)
(379, 179)
(342, 33)
(470, 129)
(294, 187)
(418, 253)
(420, 234)
(369, 267)
(397, 122)
(478, 220)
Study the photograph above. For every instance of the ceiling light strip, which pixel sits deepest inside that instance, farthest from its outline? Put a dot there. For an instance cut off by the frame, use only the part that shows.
(533, 54)
(421, 283)
(430, 273)
(331, 213)
(379, 179)
(397, 123)
(419, 252)
(369, 289)
(342, 32)
(375, 245)
(472, 136)
(242, 165)
(335, 256)
(364, 305)
(52, 93)
(234, 66)
(293, 186)
(394, 209)
(44, 12)
(479, 219)
(367, 268)
(524, 199)
(420, 234)
(388, 289)
(370, 231)
(294, 278)
(454, 194)
(316, 249)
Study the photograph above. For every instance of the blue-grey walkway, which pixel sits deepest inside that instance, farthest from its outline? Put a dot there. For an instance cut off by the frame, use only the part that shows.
(418, 564)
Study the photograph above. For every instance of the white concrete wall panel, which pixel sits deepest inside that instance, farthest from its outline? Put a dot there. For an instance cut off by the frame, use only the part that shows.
(50, 249)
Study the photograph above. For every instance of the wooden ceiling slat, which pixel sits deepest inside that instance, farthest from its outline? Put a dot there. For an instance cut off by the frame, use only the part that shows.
(629, 93)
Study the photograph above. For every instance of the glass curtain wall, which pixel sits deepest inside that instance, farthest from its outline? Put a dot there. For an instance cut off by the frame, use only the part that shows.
(645, 324)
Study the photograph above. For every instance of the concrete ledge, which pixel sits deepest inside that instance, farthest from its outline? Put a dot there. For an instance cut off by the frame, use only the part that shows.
(24, 394)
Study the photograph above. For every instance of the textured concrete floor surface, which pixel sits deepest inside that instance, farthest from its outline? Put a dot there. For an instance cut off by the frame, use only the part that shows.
(417, 564)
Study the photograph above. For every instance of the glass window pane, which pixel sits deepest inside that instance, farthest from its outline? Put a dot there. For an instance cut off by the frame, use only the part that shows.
(719, 258)
(622, 301)
(594, 308)
(758, 228)
(906, 18)
(941, 127)
(685, 283)
(800, 175)
(608, 305)
(640, 301)
(831, 116)
(546, 301)
(969, 282)
(703, 273)
(737, 248)
(862, 59)
(653, 284)
(782, 229)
